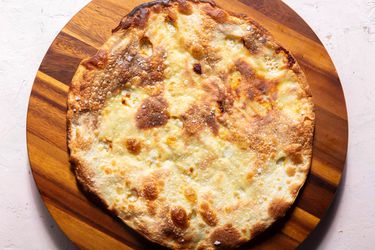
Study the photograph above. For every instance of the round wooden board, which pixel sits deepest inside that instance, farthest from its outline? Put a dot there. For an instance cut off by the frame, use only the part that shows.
(88, 225)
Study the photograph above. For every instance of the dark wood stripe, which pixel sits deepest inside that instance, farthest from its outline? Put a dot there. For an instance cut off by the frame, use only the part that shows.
(64, 56)
(47, 118)
(49, 83)
(331, 76)
(34, 128)
(112, 9)
(326, 138)
(282, 13)
(329, 160)
(61, 186)
(45, 99)
(316, 196)
(96, 30)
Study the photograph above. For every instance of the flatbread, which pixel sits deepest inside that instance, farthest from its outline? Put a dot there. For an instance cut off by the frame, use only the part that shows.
(191, 124)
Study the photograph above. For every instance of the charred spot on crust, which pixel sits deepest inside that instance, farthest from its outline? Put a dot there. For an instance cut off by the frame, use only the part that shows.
(140, 20)
(146, 46)
(296, 158)
(244, 68)
(157, 8)
(250, 175)
(192, 120)
(155, 74)
(197, 68)
(150, 191)
(197, 117)
(197, 50)
(151, 208)
(138, 17)
(257, 229)
(171, 17)
(140, 14)
(290, 171)
(262, 85)
(179, 217)
(131, 67)
(108, 142)
(254, 85)
(169, 229)
(212, 124)
(254, 40)
(224, 100)
(152, 113)
(221, 104)
(249, 43)
(208, 215)
(133, 146)
(143, 62)
(123, 98)
(184, 7)
(278, 208)
(98, 61)
(291, 60)
(226, 237)
(216, 14)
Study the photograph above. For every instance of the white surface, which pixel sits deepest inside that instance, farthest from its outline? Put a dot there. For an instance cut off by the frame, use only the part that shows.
(27, 28)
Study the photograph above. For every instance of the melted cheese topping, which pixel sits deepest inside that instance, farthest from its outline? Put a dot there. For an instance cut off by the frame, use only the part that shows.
(238, 170)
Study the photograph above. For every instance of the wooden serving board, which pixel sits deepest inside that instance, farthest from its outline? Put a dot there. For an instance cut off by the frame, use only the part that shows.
(88, 225)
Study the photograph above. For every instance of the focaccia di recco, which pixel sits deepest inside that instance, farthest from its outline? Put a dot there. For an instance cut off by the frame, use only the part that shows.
(192, 125)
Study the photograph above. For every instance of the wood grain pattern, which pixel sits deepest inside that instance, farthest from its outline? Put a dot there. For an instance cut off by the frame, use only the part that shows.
(88, 225)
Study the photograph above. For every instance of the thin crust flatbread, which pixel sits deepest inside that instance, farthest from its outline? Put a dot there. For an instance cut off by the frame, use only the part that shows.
(191, 124)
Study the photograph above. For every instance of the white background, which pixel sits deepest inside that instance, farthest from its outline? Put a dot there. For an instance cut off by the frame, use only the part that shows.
(27, 28)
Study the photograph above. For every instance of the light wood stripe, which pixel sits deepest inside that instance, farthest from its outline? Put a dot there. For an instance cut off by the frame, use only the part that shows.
(325, 172)
(300, 224)
(53, 82)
